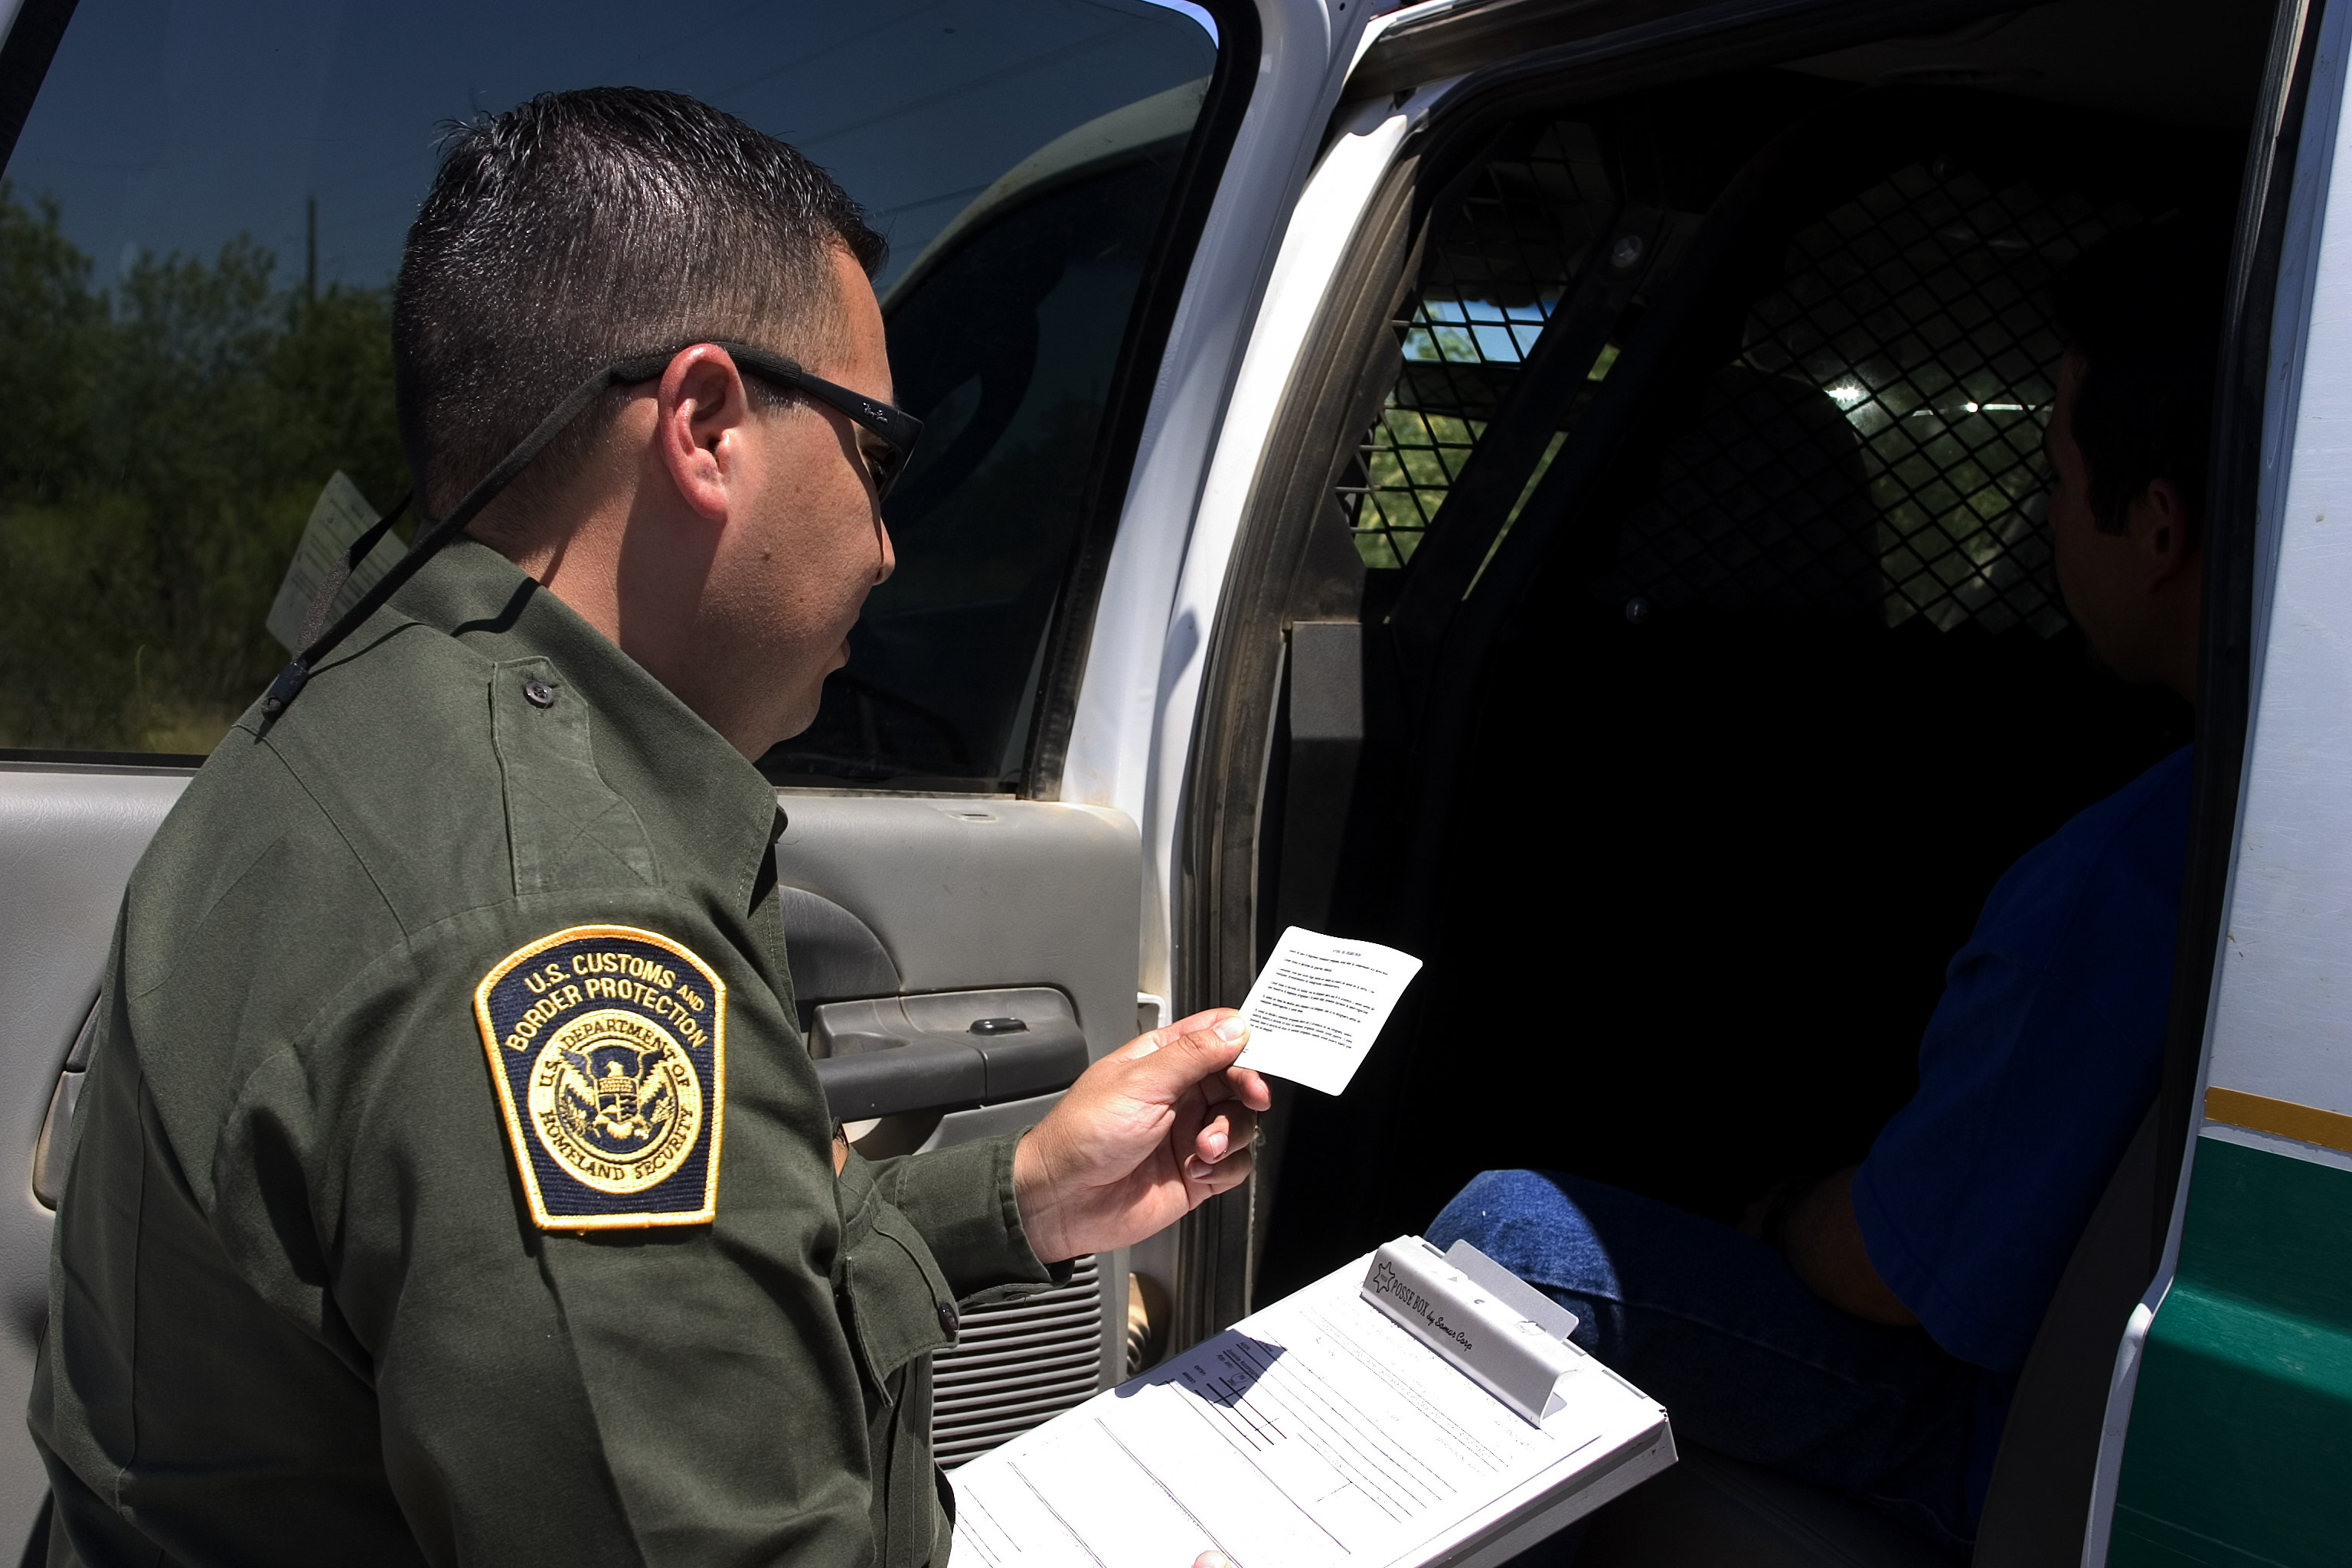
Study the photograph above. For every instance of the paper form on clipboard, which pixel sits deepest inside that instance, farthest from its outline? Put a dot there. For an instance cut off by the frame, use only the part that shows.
(1318, 1432)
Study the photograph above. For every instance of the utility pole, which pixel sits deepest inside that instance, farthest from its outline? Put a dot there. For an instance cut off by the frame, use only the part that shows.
(310, 256)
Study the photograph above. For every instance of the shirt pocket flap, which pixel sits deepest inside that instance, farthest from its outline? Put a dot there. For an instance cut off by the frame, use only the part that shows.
(898, 1299)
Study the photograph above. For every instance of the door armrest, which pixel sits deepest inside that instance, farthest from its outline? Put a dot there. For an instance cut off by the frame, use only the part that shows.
(893, 1055)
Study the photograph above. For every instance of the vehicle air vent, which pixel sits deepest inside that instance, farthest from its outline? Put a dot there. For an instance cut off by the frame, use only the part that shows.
(1018, 1366)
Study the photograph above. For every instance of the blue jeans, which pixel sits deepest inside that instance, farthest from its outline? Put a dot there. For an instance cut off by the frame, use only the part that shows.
(1747, 1359)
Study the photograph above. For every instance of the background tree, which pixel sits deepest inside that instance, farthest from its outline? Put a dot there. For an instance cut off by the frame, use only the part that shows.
(164, 442)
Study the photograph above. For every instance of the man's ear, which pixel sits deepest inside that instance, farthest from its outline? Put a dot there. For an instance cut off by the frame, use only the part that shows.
(2163, 525)
(700, 410)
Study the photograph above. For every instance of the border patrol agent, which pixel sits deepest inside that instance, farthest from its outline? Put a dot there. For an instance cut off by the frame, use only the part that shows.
(451, 1184)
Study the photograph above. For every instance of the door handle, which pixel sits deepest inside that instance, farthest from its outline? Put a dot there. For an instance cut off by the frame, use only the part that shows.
(57, 1128)
(896, 1055)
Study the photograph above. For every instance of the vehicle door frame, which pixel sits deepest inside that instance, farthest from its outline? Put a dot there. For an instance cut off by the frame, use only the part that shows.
(1207, 846)
(2275, 281)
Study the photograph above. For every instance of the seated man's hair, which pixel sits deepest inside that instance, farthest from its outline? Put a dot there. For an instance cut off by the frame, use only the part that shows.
(2142, 309)
(582, 227)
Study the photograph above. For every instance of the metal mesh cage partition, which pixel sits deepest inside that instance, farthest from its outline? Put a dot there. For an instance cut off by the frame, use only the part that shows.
(1875, 449)
(1499, 266)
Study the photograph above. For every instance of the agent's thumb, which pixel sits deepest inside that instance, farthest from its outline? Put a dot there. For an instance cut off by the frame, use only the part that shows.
(1186, 1060)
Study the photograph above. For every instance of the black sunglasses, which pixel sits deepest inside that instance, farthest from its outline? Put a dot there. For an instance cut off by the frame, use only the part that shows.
(897, 429)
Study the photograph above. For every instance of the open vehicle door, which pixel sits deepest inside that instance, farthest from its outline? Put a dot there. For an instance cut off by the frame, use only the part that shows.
(204, 212)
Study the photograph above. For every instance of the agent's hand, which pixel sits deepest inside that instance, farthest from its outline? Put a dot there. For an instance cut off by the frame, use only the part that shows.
(1143, 1136)
(1213, 1560)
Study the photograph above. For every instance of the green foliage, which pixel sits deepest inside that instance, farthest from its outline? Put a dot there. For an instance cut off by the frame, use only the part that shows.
(1409, 464)
(164, 443)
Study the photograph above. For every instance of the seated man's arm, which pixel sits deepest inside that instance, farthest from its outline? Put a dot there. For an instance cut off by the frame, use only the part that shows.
(2042, 1057)
(1824, 1244)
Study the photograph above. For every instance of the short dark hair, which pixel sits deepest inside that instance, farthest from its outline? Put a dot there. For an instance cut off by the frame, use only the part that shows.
(2141, 310)
(584, 226)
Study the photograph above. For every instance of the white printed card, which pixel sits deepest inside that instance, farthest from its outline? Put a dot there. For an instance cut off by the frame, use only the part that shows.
(1318, 1005)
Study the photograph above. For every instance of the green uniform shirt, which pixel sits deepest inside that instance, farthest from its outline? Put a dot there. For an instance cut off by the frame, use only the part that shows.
(300, 1309)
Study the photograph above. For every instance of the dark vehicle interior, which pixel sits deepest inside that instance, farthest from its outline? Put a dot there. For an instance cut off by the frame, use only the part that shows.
(1655, 586)
(1790, 660)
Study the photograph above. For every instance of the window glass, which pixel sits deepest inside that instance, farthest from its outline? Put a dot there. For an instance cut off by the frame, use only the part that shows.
(1005, 333)
(203, 215)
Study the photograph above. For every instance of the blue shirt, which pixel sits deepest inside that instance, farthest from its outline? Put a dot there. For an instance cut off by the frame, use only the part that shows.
(2040, 1062)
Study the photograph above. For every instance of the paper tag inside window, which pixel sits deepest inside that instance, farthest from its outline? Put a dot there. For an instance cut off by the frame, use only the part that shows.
(339, 516)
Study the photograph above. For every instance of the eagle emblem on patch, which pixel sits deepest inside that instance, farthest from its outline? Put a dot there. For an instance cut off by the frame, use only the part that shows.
(608, 1050)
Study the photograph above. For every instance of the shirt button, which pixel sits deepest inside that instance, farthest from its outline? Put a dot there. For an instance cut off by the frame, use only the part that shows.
(948, 1322)
(539, 693)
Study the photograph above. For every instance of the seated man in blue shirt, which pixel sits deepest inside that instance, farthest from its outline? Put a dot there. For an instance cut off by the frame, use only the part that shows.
(1799, 1343)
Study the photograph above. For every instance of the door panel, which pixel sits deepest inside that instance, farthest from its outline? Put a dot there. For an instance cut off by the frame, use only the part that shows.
(985, 910)
(974, 893)
(946, 911)
(68, 839)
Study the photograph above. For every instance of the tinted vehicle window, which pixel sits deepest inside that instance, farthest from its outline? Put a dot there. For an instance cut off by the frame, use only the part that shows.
(201, 223)
(1003, 335)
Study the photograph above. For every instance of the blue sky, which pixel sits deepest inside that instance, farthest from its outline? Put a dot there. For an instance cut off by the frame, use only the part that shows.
(176, 124)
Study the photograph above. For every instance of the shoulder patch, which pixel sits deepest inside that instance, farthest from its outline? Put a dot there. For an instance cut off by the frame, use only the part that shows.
(608, 1048)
